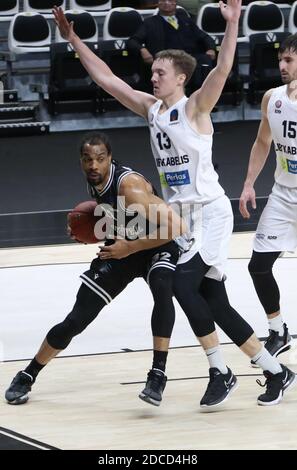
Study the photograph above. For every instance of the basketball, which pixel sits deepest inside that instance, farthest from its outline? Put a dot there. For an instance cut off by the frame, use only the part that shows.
(81, 221)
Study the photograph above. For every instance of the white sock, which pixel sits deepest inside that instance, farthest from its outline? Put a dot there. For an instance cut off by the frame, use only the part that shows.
(264, 360)
(277, 324)
(215, 359)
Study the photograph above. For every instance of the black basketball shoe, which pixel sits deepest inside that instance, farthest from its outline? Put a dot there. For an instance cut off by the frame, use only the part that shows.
(17, 392)
(276, 344)
(218, 389)
(154, 387)
(276, 385)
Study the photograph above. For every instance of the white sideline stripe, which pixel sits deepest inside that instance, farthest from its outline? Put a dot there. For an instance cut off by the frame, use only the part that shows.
(23, 440)
(92, 285)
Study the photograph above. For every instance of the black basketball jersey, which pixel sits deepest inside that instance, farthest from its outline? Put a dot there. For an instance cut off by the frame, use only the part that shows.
(121, 222)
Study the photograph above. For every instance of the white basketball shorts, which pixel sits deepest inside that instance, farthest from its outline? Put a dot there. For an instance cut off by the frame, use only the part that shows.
(277, 227)
(212, 243)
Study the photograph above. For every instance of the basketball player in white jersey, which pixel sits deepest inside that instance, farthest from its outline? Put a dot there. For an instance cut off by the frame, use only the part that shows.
(181, 139)
(277, 227)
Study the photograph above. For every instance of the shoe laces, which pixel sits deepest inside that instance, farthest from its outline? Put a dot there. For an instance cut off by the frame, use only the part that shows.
(271, 382)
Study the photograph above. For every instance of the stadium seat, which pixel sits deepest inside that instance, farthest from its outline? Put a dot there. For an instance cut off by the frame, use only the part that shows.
(90, 5)
(119, 25)
(264, 65)
(8, 8)
(70, 86)
(292, 21)
(210, 19)
(28, 32)
(232, 93)
(43, 6)
(85, 26)
(262, 17)
(137, 4)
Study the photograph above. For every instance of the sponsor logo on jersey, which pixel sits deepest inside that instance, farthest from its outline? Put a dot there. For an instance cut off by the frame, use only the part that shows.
(278, 105)
(176, 178)
(290, 166)
(289, 149)
(260, 236)
(174, 115)
(172, 161)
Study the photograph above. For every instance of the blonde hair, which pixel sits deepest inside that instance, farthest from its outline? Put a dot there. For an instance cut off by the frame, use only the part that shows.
(181, 60)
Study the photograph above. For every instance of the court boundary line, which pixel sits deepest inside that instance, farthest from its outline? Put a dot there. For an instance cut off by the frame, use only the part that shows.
(232, 258)
(27, 440)
(128, 351)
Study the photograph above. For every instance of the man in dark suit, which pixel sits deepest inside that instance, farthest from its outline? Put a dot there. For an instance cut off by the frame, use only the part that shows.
(172, 28)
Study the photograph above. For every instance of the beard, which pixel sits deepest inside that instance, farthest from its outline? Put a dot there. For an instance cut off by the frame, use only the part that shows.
(286, 79)
(292, 89)
(95, 181)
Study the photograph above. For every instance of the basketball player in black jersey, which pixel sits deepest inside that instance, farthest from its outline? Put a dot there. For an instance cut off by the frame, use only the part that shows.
(134, 254)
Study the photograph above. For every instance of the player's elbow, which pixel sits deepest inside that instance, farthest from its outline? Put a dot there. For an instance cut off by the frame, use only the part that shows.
(223, 69)
(262, 145)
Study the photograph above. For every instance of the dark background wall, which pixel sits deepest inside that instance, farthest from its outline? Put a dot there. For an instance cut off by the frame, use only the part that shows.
(41, 175)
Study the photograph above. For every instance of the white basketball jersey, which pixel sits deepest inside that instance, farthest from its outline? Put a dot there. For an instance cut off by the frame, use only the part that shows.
(182, 156)
(282, 117)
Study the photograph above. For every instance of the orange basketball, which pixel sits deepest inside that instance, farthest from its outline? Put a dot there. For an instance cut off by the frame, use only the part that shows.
(82, 221)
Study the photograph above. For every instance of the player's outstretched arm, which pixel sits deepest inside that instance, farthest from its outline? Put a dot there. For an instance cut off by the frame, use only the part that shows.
(100, 73)
(207, 96)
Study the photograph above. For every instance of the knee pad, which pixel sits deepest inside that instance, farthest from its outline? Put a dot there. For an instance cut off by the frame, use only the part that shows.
(161, 282)
(262, 263)
(163, 315)
(61, 334)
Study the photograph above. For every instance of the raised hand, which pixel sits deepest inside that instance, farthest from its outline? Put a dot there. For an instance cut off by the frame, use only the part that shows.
(231, 11)
(66, 28)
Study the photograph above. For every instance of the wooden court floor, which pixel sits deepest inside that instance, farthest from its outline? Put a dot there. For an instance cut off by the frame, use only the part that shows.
(91, 401)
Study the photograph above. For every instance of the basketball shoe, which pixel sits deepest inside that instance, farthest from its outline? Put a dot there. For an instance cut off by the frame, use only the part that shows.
(218, 389)
(276, 344)
(17, 392)
(276, 384)
(154, 387)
